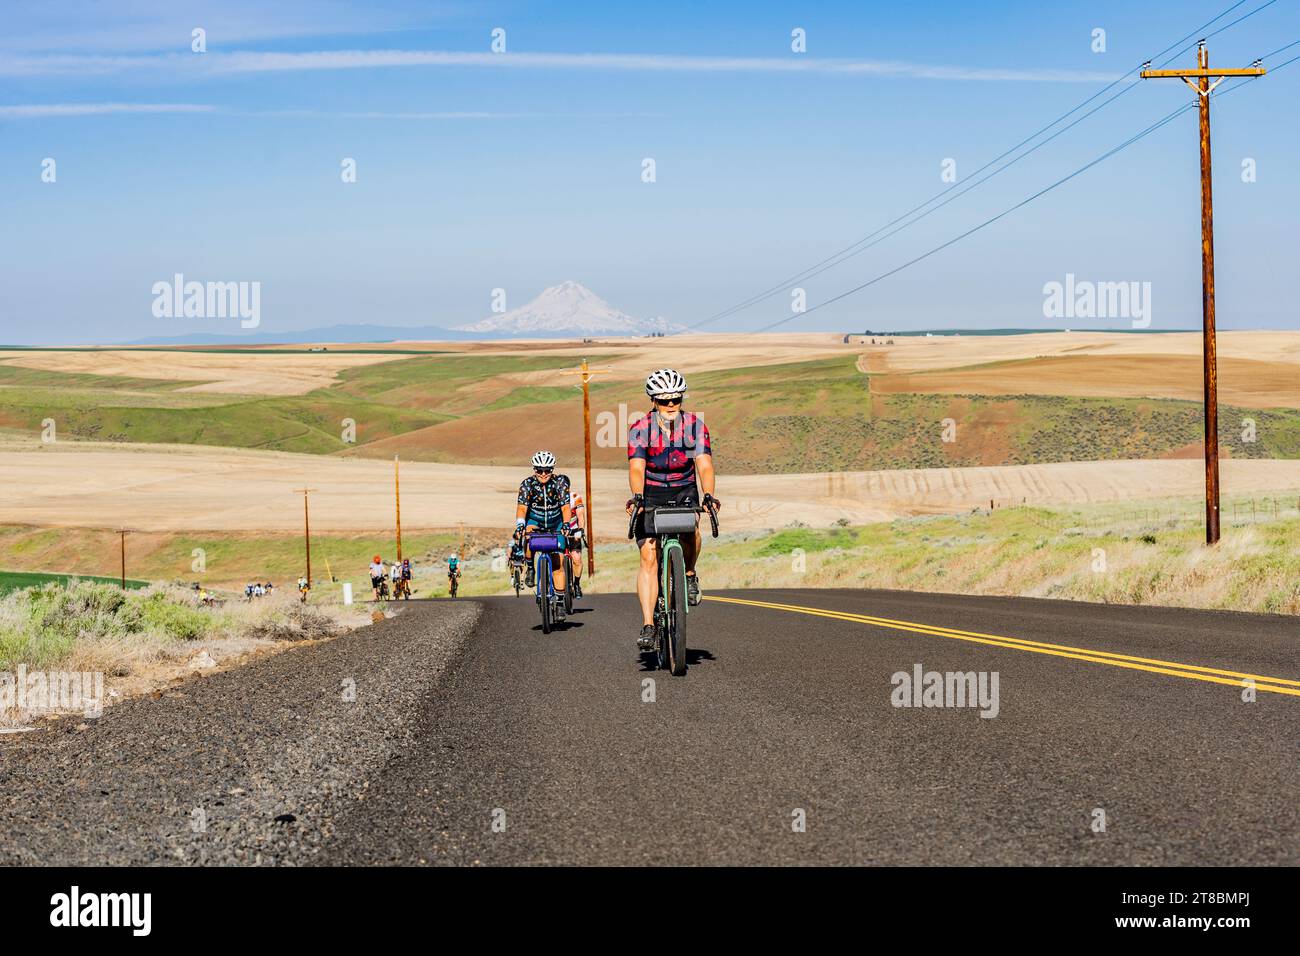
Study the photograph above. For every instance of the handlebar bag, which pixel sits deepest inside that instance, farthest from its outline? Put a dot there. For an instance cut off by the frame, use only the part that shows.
(670, 520)
(546, 541)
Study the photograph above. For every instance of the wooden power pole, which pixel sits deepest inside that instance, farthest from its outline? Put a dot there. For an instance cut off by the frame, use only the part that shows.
(123, 532)
(1203, 88)
(586, 371)
(306, 530)
(397, 491)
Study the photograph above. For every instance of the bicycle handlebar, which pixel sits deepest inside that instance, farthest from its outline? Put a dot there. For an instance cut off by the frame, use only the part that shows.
(712, 512)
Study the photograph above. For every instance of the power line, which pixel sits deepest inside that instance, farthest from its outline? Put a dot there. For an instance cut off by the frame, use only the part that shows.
(1274, 69)
(865, 243)
(840, 256)
(1227, 26)
(845, 256)
(1012, 162)
(988, 222)
(972, 185)
(1024, 202)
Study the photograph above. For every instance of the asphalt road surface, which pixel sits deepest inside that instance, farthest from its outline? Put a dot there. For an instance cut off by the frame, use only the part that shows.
(1121, 736)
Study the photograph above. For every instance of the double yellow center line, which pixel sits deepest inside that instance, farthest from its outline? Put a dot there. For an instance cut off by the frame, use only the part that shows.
(1274, 685)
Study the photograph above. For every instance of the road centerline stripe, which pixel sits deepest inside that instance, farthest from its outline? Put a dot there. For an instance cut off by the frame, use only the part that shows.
(1276, 685)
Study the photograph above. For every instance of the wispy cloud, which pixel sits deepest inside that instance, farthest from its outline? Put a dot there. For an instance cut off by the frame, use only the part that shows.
(370, 59)
(448, 115)
(46, 110)
(81, 64)
(55, 110)
(127, 26)
(265, 62)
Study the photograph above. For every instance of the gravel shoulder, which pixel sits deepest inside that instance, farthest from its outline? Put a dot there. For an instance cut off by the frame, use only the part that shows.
(249, 766)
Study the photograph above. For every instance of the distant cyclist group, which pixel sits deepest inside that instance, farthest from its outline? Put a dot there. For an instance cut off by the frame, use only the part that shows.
(390, 581)
(672, 480)
(393, 581)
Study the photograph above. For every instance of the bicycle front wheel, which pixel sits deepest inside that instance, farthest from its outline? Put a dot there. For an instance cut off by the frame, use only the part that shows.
(543, 568)
(676, 612)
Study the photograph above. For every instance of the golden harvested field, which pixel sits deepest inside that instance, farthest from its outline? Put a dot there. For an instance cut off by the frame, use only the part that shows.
(1257, 369)
(186, 488)
(173, 488)
(268, 370)
(220, 372)
(1249, 383)
(915, 354)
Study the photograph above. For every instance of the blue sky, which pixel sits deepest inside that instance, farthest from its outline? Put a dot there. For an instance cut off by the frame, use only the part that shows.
(518, 170)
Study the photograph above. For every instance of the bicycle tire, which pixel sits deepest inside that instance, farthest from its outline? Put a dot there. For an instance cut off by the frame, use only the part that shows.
(543, 568)
(676, 573)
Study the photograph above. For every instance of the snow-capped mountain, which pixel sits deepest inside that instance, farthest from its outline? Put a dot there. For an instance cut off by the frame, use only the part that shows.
(569, 308)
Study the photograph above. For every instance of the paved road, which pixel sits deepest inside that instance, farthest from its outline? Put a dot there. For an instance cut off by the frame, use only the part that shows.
(785, 710)
(1136, 713)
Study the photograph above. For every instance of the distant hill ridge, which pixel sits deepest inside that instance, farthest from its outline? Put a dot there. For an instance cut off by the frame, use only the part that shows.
(566, 310)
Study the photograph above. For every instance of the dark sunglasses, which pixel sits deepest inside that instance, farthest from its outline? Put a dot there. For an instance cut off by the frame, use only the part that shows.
(668, 401)
(542, 471)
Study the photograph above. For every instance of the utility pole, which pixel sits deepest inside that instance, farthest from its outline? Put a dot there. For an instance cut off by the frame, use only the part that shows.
(397, 489)
(1203, 88)
(587, 372)
(123, 532)
(306, 530)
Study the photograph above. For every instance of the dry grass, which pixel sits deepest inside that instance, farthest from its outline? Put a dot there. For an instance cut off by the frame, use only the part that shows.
(1152, 556)
(94, 628)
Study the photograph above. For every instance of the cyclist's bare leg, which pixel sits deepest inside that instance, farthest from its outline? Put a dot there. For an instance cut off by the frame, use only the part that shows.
(647, 585)
(528, 553)
(691, 548)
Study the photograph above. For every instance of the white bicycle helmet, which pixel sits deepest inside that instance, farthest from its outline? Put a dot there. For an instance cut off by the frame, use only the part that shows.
(543, 459)
(665, 383)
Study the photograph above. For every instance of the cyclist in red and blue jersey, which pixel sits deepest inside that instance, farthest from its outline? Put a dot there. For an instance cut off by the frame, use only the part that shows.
(543, 506)
(670, 460)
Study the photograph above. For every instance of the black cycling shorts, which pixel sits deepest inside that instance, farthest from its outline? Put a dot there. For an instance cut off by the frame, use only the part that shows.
(540, 522)
(687, 496)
